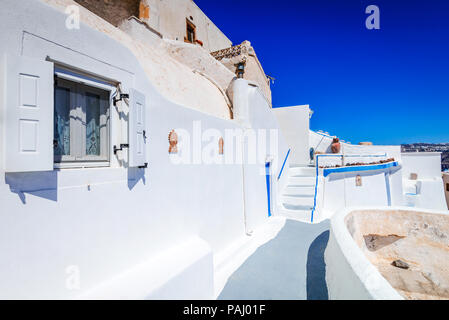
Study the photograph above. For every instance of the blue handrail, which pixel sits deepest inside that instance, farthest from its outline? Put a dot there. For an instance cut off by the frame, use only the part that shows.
(351, 169)
(283, 165)
(267, 177)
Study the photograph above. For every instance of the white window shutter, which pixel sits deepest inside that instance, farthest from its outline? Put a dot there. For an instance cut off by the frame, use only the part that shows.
(28, 114)
(137, 130)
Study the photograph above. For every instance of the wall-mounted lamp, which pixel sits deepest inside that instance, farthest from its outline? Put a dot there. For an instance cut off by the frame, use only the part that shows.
(122, 96)
(270, 79)
(240, 71)
(311, 114)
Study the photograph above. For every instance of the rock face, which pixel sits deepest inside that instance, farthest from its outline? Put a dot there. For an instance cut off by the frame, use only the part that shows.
(400, 264)
(113, 11)
(173, 79)
(410, 249)
(375, 242)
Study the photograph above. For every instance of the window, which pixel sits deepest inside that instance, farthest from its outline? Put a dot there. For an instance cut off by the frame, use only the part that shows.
(447, 187)
(62, 118)
(81, 122)
(191, 32)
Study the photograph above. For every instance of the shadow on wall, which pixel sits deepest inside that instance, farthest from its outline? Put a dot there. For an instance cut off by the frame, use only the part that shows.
(134, 176)
(316, 269)
(45, 184)
(39, 184)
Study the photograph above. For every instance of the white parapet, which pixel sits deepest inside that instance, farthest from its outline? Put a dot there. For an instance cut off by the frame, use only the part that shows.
(422, 178)
(294, 124)
(360, 267)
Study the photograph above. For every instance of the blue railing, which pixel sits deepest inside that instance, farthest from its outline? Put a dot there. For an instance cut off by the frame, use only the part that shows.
(267, 177)
(283, 165)
(347, 169)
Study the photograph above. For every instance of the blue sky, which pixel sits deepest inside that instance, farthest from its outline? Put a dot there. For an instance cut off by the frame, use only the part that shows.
(389, 86)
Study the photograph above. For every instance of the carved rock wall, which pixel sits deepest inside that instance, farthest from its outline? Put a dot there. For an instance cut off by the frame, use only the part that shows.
(113, 11)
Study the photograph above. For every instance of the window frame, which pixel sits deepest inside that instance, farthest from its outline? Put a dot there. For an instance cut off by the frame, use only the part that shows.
(104, 132)
(81, 85)
(62, 83)
(193, 27)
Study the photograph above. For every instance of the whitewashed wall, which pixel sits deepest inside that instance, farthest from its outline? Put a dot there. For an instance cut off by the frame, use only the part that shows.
(294, 124)
(107, 221)
(169, 18)
(428, 190)
(388, 151)
(262, 120)
(322, 142)
(427, 165)
(380, 187)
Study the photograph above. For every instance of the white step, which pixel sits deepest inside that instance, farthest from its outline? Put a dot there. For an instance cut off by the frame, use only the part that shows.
(299, 215)
(305, 190)
(294, 165)
(301, 181)
(411, 199)
(298, 202)
(303, 172)
(410, 186)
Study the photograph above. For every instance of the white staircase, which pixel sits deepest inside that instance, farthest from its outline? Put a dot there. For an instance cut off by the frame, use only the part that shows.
(297, 198)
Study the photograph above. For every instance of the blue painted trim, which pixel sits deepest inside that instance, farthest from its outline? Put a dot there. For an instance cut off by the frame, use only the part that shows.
(283, 165)
(267, 175)
(336, 155)
(316, 191)
(328, 171)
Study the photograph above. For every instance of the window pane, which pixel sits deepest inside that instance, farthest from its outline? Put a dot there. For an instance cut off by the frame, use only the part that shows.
(93, 146)
(62, 122)
(190, 35)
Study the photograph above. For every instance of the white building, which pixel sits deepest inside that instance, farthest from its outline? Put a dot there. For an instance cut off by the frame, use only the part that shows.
(93, 205)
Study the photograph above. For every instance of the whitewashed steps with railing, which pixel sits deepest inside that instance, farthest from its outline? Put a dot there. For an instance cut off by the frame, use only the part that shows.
(297, 202)
(302, 190)
(298, 215)
(301, 181)
(302, 172)
(297, 198)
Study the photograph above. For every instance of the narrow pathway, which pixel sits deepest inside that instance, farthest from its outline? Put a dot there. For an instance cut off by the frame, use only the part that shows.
(289, 267)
